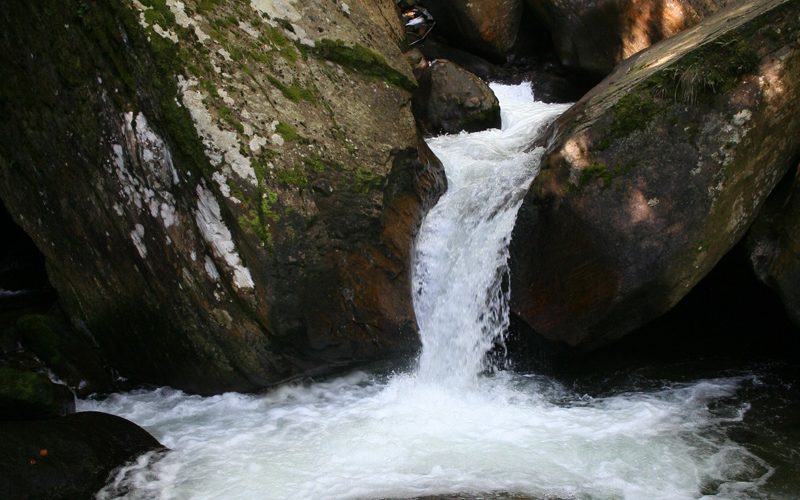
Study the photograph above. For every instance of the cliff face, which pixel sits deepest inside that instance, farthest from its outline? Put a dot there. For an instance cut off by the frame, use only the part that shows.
(225, 192)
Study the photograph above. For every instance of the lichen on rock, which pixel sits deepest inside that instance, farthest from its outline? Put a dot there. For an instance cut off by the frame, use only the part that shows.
(246, 167)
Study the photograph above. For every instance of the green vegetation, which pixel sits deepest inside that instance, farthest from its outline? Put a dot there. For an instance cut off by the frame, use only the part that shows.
(227, 115)
(707, 71)
(315, 164)
(366, 180)
(288, 132)
(205, 6)
(597, 170)
(294, 93)
(696, 78)
(158, 13)
(293, 176)
(632, 112)
(40, 335)
(363, 61)
(273, 36)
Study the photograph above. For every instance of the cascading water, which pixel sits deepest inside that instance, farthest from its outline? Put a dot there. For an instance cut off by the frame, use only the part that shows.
(462, 249)
(445, 427)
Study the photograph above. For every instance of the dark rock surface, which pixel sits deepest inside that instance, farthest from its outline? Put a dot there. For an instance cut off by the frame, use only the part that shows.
(550, 81)
(487, 27)
(68, 457)
(451, 99)
(596, 35)
(774, 244)
(654, 175)
(26, 394)
(221, 205)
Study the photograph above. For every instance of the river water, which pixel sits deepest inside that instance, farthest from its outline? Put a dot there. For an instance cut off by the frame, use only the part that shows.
(454, 424)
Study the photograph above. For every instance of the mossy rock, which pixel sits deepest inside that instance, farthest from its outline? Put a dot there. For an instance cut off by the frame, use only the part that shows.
(69, 353)
(29, 395)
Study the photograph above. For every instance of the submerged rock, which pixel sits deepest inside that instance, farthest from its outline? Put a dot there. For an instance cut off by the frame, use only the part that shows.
(774, 247)
(451, 99)
(68, 457)
(225, 192)
(655, 174)
(596, 35)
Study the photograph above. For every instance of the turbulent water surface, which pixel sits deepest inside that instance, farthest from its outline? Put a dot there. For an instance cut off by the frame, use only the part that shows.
(452, 424)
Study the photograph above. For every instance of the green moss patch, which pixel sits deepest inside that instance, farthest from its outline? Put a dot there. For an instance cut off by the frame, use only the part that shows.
(288, 132)
(293, 92)
(363, 61)
(603, 173)
(631, 113)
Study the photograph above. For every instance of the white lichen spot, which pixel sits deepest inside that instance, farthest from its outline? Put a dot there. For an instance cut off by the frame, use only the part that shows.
(298, 34)
(248, 28)
(714, 190)
(247, 128)
(168, 214)
(225, 54)
(742, 117)
(137, 236)
(256, 143)
(211, 269)
(652, 202)
(277, 9)
(221, 146)
(209, 221)
(224, 188)
(345, 8)
(193, 256)
(168, 34)
(145, 170)
(277, 139)
(225, 97)
(154, 152)
(738, 216)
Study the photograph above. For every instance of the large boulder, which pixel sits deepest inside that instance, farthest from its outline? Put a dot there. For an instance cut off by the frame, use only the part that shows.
(225, 192)
(774, 247)
(596, 35)
(655, 174)
(488, 27)
(451, 99)
(66, 458)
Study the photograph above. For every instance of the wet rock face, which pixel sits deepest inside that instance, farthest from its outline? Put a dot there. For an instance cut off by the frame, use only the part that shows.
(225, 193)
(68, 457)
(451, 99)
(773, 244)
(596, 35)
(654, 175)
(489, 27)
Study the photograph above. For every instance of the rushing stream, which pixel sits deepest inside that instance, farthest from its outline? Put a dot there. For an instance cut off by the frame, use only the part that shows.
(453, 424)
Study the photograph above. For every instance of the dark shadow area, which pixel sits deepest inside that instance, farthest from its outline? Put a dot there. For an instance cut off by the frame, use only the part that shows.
(24, 286)
(533, 57)
(730, 319)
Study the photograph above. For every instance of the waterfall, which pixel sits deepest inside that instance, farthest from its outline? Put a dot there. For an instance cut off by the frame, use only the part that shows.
(445, 428)
(460, 263)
